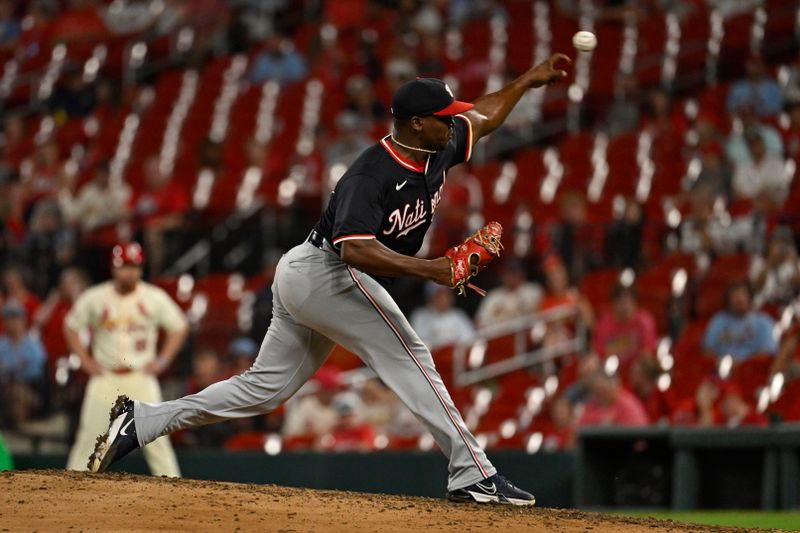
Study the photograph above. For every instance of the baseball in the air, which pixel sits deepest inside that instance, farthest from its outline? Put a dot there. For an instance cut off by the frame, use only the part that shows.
(585, 41)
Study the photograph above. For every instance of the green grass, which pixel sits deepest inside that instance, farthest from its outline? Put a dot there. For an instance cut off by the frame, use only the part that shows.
(784, 520)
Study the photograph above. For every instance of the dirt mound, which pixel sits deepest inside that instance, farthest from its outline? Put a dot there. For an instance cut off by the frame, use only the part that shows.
(68, 501)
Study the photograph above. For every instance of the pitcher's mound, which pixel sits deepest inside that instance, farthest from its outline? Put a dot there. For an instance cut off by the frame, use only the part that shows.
(62, 501)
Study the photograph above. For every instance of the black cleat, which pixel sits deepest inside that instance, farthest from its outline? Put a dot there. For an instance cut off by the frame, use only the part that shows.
(495, 489)
(119, 440)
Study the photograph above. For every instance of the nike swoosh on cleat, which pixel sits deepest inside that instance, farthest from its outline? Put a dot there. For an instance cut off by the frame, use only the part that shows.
(492, 489)
(400, 185)
(122, 431)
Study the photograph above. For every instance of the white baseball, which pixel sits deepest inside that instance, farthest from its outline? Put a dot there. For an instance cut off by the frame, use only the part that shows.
(585, 41)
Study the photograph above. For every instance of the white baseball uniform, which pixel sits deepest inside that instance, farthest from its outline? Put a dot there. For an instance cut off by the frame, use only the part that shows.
(124, 335)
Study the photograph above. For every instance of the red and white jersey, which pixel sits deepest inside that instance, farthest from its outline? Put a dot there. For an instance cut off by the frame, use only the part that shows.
(124, 328)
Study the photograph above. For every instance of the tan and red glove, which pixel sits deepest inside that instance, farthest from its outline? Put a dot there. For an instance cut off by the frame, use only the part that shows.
(472, 255)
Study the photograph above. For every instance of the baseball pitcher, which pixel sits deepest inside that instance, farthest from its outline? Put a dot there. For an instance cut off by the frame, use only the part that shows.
(123, 317)
(333, 288)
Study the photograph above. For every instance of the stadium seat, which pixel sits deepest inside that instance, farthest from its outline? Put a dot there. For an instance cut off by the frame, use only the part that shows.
(751, 374)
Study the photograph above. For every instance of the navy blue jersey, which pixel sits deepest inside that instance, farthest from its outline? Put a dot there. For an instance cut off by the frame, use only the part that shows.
(387, 197)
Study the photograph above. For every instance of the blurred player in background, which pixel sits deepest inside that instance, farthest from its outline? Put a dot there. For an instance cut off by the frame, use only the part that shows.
(123, 317)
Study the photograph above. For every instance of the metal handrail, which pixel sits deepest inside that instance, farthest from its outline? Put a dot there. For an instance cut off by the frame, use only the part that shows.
(520, 328)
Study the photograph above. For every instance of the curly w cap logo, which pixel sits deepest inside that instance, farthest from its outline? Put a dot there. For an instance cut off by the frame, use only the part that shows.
(449, 91)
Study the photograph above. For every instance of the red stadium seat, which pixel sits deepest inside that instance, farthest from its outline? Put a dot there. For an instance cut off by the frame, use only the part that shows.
(751, 374)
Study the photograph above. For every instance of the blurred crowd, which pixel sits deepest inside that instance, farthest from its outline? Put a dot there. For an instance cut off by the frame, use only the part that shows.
(64, 204)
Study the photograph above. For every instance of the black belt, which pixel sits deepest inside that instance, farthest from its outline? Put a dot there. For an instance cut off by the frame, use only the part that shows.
(316, 239)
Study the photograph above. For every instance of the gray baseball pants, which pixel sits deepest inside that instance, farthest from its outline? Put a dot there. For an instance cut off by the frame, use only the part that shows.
(319, 301)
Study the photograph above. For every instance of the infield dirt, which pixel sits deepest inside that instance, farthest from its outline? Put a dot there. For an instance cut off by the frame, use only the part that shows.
(69, 501)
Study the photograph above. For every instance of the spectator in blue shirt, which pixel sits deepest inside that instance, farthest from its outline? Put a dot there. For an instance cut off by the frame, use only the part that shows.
(10, 27)
(739, 330)
(758, 91)
(279, 62)
(22, 367)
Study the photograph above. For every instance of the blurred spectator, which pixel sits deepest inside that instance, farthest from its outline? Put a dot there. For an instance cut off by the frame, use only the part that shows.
(461, 11)
(383, 410)
(128, 17)
(73, 96)
(158, 211)
(738, 330)
(716, 173)
(432, 60)
(279, 61)
(610, 404)
(15, 142)
(625, 330)
(15, 287)
(577, 242)
(79, 23)
(367, 58)
(10, 27)
(660, 118)
(439, 323)
(37, 30)
(763, 175)
(425, 18)
(242, 352)
(262, 306)
(736, 411)
(22, 366)
(623, 239)
(708, 228)
(514, 298)
(42, 173)
(346, 146)
(643, 379)
(791, 135)
(736, 147)
(314, 414)
(776, 277)
(624, 115)
(100, 202)
(49, 318)
(722, 404)
(587, 366)
(559, 433)
(49, 245)
(350, 433)
(758, 91)
(206, 370)
(399, 69)
(461, 199)
(361, 100)
(560, 294)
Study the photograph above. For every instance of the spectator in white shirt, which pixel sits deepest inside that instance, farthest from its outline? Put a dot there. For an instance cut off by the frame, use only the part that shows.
(515, 297)
(776, 275)
(100, 202)
(439, 323)
(762, 177)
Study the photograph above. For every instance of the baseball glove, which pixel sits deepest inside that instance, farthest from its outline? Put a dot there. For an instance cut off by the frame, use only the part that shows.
(472, 255)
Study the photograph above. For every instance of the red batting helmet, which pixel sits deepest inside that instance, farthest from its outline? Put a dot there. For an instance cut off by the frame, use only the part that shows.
(129, 253)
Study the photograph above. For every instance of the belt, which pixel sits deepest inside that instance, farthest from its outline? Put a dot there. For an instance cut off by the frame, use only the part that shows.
(316, 239)
(121, 370)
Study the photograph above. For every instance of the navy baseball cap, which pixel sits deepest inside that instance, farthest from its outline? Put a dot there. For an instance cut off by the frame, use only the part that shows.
(426, 96)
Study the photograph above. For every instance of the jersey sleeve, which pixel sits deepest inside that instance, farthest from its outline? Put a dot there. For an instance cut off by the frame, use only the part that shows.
(359, 208)
(462, 139)
(168, 314)
(81, 314)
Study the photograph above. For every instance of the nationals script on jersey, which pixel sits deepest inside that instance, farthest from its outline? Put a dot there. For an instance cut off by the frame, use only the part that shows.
(124, 328)
(385, 196)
